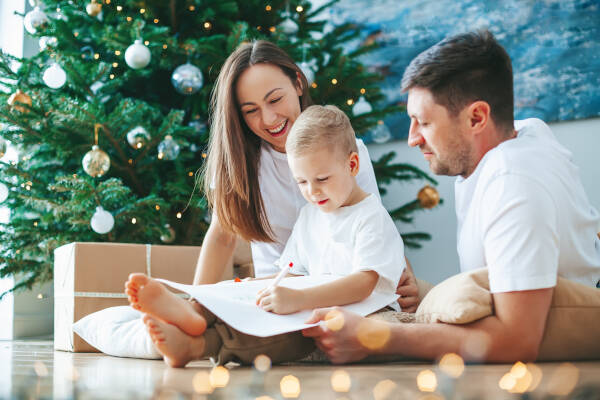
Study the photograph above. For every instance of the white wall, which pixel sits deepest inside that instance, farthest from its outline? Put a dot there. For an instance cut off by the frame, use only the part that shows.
(438, 259)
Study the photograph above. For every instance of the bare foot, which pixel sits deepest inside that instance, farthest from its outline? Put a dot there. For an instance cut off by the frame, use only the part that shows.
(153, 298)
(176, 347)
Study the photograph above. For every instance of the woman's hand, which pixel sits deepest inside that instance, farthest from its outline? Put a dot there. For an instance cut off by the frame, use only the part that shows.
(408, 290)
(280, 300)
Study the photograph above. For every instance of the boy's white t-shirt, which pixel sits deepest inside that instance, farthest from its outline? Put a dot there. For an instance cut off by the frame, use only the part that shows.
(524, 215)
(361, 237)
(282, 201)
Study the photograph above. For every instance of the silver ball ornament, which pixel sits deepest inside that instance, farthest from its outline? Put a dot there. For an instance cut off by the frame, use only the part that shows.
(35, 20)
(138, 137)
(137, 56)
(187, 79)
(362, 106)
(381, 133)
(288, 26)
(102, 221)
(168, 149)
(47, 41)
(169, 236)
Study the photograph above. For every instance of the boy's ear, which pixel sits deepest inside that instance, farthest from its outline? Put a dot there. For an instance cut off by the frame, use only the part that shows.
(354, 163)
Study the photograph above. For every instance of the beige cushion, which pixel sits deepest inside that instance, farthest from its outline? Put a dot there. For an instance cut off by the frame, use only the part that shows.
(573, 324)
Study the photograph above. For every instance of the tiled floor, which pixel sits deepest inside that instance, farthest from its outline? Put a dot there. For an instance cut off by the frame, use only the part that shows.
(31, 369)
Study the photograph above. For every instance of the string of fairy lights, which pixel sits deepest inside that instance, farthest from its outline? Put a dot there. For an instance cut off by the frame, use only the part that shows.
(187, 79)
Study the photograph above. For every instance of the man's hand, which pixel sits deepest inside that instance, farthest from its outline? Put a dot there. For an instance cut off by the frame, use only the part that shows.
(408, 290)
(337, 336)
(280, 300)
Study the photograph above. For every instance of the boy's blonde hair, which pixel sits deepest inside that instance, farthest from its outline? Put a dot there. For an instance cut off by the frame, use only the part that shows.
(318, 127)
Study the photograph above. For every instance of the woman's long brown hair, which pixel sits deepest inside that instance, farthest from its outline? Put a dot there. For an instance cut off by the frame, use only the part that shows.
(231, 170)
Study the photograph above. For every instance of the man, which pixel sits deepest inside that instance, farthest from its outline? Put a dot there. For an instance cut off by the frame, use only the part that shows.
(521, 209)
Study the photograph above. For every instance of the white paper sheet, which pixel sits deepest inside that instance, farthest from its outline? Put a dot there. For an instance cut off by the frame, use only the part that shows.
(235, 303)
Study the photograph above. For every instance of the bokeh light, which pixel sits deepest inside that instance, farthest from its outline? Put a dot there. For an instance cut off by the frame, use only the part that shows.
(219, 377)
(452, 365)
(384, 389)
(536, 376)
(201, 383)
(340, 381)
(334, 320)
(564, 379)
(264, 398)
(262, 363)
(427, 381)
(507, 382)
(290, 387)
(373, 334)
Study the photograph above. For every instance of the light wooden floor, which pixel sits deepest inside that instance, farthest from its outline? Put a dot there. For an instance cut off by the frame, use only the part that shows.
(31, 369)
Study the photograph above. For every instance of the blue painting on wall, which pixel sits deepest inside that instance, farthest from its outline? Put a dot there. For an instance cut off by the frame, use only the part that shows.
(554, 46)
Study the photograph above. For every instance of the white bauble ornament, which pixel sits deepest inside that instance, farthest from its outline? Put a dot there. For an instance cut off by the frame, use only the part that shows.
(96, 162)
(381, 133)
(187, 79)
(168, 237)
(47, 41)
(35, 20)
(138, 137)
(168, 149)
(3, 192)
(102, 221)
(198, 125)
(137, 55)
(288, 26)
(308, 71)
(54, 76)
(362, 106)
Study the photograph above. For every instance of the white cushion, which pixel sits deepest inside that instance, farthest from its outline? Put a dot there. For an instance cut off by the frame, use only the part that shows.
(117, 331)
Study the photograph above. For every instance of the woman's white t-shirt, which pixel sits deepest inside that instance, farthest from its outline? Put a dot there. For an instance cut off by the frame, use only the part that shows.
(282, 201)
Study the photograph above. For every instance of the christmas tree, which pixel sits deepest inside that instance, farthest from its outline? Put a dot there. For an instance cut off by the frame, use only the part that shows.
(110, 118)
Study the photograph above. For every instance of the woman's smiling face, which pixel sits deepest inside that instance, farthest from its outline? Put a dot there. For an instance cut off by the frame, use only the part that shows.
(269, 102)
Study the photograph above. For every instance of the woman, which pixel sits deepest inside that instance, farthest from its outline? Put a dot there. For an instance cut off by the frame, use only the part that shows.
(258, 95)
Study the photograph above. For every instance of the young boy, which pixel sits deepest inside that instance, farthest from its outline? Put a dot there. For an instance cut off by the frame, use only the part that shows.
(341, 231)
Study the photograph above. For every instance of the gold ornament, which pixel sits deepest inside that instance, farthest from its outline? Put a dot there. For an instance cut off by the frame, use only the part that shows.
(428, 197)
(19, 97)
(93, 8)
(96, 162)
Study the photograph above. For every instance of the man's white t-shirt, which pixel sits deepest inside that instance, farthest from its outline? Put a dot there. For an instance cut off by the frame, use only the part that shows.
(361, 237)
(524, 215)
(282, 201)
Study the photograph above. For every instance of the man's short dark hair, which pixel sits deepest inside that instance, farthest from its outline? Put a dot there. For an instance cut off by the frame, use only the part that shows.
(465, 68)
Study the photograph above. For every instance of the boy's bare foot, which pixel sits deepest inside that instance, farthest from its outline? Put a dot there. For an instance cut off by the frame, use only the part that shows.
(153, 298)
(176, 346)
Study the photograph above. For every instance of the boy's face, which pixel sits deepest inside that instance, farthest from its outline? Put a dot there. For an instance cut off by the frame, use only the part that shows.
(325, 177)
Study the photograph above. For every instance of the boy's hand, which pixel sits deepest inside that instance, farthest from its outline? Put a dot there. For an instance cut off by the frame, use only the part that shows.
(280, 300)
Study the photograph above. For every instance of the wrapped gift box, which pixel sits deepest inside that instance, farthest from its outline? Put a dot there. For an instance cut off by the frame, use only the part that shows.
(89, 277)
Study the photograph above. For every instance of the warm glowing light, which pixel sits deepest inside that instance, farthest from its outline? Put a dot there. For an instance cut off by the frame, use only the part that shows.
(146, 42)
(299, 9)
(96, 56)
(334, 81)
(373, 334)
(191, 173)
(350, 102)
(452, 365)
(161, 155)
(523, 382)
(219, 377)
(39, 367)
(119, 8)
(75, 34)
(115, 64)
(334, 320)
(262, 363)
(134, 220)
(314, 85)
(268, 8)
(35, 223)
(107, 1)
(427, 381)
(178, 215)
(40, 297)
(117, 52)
(203, 155)
(507, 382)
(363, 91)
(536, 376)
(156, 20)
(384, 389)
(192, 8)
(157, 207)
(207, 25)
(518, 370)
(28, 188)
(112, 76)
(563, 379)
(290, 387)
(340, 381)
(130, 161)
(129, 19)
(165, 46)
(272, 29)
(142, 10)
(201, 383)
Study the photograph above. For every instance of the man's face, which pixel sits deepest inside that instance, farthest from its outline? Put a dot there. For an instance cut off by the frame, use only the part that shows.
(439, 135)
